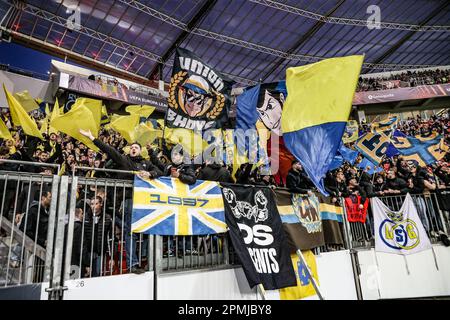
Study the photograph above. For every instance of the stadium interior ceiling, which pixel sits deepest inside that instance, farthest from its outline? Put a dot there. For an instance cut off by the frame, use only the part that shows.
(247, 40)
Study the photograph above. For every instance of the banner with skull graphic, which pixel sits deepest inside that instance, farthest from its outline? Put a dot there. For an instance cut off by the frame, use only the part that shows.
(257, 235)
(199, 96)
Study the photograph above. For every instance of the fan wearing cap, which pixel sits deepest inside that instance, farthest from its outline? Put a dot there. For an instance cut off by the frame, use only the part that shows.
(196, 96)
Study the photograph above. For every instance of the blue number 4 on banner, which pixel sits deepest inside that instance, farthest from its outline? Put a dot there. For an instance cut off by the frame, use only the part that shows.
(302, 274)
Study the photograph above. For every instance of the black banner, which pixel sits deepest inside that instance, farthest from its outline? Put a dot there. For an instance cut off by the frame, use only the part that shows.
(258, 237)
(199, 97)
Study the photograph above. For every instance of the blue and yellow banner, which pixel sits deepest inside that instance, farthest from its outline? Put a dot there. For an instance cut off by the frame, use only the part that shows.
(374, 146)
(351, 133)
(389, 125)
(166, 206)
(424, 150)
(316, 111)
(304, 286)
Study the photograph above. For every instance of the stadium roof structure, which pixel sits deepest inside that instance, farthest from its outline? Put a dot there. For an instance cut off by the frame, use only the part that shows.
(248, 40)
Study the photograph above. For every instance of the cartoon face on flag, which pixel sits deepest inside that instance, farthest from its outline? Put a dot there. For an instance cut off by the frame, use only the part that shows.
(166, 206)
(270, 105)
(198, 95)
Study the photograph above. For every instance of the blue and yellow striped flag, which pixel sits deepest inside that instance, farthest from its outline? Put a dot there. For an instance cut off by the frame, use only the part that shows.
(424, 150)
(316, 111)
(166, 206)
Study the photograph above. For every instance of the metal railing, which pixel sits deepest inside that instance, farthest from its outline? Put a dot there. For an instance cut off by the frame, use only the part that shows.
(89, 239)
(430, 213)
(26, 226)
(163, 253)
(30, 163)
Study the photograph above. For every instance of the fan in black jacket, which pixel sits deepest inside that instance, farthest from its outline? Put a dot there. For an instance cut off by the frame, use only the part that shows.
(36, 219)
(215, 172)
(131, 162)
(180, 170)
(297, 181)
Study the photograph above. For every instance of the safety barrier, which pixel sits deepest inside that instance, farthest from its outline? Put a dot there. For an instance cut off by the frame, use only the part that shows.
(167, 253)
(26, 226)
(89, 238)
(428, 207)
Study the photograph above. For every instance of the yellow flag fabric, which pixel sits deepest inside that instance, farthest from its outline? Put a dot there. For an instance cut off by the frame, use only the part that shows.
(4, 132)
(92, 104)
(304, 286)
(46, 120)
(77, 118)
(20, 117)
(26, 100)
(146, 134)
(55, 113)
(233, 157)
(126, 126)
(144, 111)
(191, 142)
(320, 93)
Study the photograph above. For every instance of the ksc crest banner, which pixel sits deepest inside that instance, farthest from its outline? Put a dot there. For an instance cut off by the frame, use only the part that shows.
(399, 232)
(257, 235)
(199, 96)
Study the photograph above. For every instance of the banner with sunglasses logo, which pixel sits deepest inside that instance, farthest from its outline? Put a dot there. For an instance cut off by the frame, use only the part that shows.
(199, 96)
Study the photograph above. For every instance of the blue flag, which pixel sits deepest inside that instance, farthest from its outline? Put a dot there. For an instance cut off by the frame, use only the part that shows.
(366, 164)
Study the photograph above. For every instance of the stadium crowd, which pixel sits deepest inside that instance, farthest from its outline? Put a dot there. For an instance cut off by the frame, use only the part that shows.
(95, 215)
(405, 79)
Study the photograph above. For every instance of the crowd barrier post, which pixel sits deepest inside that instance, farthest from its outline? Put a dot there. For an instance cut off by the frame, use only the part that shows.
(353, 252)
(56, 289)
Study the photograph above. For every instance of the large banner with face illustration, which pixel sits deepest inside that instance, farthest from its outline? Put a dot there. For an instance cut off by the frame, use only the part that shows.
(199, 96)
(270, 105)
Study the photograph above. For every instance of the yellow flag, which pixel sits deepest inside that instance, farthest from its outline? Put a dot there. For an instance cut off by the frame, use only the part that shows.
(45, 121)
(144, 111)
(92, 104)
(304, 286)
(55, 113)
(126, 125)
(105, 116)
(26, 100)
(20, 117)
(4, 132)
(191, 142)
(320, 93)
(233, 156)
(77, 118)
(146, 134)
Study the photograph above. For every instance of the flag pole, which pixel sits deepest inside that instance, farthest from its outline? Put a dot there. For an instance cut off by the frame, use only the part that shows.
(261, 291)
(309, 274)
